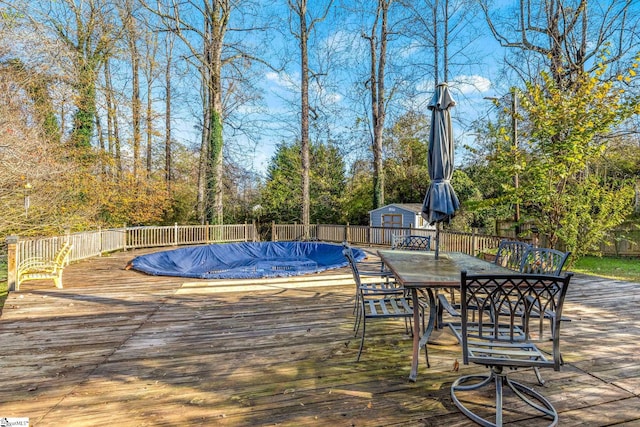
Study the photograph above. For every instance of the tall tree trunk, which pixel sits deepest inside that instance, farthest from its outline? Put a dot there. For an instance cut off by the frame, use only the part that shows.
(83, 119)
(203, 161)
(149, 129)
(136, 104)
(299, 8)
(113, 136)
(304, 117)
(167, 112)
(151, 52)
(101, 145)
(109, 146)
(445, 42)
(436, 45)
(218, 19)
(378, 53)
(210, 185)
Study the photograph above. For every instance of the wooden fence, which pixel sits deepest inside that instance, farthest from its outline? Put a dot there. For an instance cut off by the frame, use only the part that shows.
(89, 244)
(623, 242)
(453, 241)
(95, 243)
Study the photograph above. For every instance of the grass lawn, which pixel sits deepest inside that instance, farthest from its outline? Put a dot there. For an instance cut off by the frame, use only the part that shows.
(613, 268)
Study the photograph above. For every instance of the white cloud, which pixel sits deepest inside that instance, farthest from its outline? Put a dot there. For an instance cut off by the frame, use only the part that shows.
(469, 85)
(272, 76)
(283, 80)
(334, 97)
(342, 42)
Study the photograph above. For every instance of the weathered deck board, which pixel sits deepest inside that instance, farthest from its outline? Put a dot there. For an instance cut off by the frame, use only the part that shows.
(118, 347)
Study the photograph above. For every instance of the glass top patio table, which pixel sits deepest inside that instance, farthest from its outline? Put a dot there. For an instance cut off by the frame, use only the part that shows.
(417, 270)
(423, 270)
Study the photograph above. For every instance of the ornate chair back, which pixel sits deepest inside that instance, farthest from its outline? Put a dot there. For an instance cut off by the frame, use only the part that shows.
(544, 261)
(511, 253)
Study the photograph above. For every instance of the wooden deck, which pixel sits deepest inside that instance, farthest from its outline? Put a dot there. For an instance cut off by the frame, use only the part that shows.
(117, 347)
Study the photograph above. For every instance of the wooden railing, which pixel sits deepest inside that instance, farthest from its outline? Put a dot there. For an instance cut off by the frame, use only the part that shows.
(95, 243)
(89, 244)
(176, 235)
(470, 243)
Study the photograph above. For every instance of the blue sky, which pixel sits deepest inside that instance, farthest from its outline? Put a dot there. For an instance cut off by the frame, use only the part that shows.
(339, 54)
(470, 85)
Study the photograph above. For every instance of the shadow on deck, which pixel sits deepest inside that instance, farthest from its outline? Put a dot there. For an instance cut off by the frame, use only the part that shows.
(118, 347)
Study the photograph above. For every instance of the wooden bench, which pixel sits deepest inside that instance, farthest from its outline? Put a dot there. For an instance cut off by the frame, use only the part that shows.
(38, 268)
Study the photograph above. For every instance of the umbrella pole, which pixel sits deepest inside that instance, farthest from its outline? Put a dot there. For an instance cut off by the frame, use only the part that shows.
(437, 239)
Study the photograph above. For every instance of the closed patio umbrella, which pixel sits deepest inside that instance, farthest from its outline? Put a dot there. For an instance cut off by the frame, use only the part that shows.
(440, 202)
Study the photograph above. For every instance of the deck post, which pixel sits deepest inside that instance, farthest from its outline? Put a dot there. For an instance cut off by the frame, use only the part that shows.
(12, 261)
(474, 241)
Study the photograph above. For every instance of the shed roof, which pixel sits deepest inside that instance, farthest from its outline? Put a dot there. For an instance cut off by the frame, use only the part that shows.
(413, 207)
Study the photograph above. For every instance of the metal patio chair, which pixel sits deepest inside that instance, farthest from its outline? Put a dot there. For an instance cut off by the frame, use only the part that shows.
(511, 253)
(382, 300)
(374, 273)
(543, 261)
(493, 334)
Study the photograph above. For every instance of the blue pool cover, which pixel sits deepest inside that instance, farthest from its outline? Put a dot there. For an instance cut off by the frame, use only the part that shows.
(244, 260)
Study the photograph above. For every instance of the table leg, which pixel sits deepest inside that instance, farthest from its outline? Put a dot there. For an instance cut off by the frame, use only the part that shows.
(416, 335)
(418, 339)
(433, 316)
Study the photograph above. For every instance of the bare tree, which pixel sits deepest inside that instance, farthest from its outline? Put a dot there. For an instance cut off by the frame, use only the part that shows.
(203, 27)
(168, 44)
(35, 174)
(87, 31)
(378, 38)
(113, 130)
(36, 86)
(445, 29)
(302, 34)
(567, 37)
(131, 35)
(151, 48)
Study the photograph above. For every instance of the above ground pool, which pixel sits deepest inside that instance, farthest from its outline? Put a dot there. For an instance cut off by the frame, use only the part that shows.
(244, 260)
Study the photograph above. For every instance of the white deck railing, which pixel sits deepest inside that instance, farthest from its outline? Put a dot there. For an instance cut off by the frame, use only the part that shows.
(88, 244)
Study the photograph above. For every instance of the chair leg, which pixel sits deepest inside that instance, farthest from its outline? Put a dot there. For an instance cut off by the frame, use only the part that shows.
(538, 376)
(364, 327)
(356, 324)
(528, 395)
